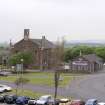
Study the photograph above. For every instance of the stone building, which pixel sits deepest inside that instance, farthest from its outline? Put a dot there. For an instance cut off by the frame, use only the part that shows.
(41, 50)
(86, 63)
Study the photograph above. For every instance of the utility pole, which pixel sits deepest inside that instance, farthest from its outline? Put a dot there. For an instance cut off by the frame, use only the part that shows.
(41, 58)
(42, 53)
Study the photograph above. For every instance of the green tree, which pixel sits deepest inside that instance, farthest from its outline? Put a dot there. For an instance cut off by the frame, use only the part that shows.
(16, 58)
(75, 52)
(100, 51)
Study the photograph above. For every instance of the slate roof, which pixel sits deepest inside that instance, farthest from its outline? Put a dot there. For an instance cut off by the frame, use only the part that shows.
(47, 44)
(93, 58)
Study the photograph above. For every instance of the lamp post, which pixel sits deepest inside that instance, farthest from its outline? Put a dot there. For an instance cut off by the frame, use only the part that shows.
(21, 67)
(22, 73)
(41, 59)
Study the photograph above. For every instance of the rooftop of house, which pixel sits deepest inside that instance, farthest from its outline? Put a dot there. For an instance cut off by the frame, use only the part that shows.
(91, 58)
(46, 43)
(43, 42)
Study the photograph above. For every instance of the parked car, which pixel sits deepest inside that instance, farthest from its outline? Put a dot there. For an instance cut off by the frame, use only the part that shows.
(32, 102)
(56, 102)
(101, 103)
(22, 100)
(4, 88)
(77, 102)
(44, 100)
(64, 100)
(10, 99)
(92, 102)
(2, 98)
(4, 73)
(1, 90)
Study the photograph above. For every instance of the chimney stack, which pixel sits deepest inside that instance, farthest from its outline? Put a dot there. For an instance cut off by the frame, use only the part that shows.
(26, 34)
(43, 37)
(43, 41)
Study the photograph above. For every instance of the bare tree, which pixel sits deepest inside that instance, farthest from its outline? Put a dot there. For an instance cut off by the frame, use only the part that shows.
(59, 57)
(56, 76)
(20, 81)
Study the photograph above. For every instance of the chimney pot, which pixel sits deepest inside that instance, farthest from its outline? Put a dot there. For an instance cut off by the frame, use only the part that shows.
(43, 37)
(26, 34)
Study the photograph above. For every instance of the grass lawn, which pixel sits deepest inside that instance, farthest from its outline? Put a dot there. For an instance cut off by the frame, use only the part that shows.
(31, 94)
(43, 78)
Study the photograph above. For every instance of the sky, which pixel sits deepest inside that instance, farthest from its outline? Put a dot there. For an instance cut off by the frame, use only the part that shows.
(71, 19)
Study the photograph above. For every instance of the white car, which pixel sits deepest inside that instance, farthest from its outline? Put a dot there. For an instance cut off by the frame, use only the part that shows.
(4, 88)
(64, 100)
(101, 103)
(44, 100)
(32, 102)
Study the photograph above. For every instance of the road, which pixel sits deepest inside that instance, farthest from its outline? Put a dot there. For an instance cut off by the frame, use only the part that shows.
(89, 86)
(92, 86)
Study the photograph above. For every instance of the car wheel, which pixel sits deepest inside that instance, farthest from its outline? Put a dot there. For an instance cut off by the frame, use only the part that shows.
(45, 104)
(5, 90)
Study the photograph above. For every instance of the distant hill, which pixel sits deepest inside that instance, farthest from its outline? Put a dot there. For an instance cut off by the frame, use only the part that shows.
(85, 43)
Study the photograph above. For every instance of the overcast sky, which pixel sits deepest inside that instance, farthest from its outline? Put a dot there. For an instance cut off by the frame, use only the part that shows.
(74, 19)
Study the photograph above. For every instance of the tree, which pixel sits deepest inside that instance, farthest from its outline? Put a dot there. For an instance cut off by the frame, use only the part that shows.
(59, 57)
(100, 51)
(75, 52)
(56, 77)
(20, 81)
(16, 58)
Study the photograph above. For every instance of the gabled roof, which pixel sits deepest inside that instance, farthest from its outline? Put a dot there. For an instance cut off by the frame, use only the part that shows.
(47, 44)
(93, 58)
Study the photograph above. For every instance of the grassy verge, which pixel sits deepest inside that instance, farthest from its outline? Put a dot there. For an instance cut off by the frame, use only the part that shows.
(41, 78)
(28, 93)
(31, 94)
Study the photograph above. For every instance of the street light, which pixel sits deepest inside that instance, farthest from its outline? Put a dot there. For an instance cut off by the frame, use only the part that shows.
(41, 58)
(22, 73)
(21, 67)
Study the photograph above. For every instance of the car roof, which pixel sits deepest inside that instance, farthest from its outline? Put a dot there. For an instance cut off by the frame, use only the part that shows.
(2, 85)
(101, 103)
(64, 99)
(90, 101)
(46, 96)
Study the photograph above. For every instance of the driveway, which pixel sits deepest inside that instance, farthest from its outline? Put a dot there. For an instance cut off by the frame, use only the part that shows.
(89, 86)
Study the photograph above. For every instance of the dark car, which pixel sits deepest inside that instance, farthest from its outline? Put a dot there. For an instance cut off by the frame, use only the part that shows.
(10, 99)
(2, 98)
(22, 100)
(77, 102)
(56, 102)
